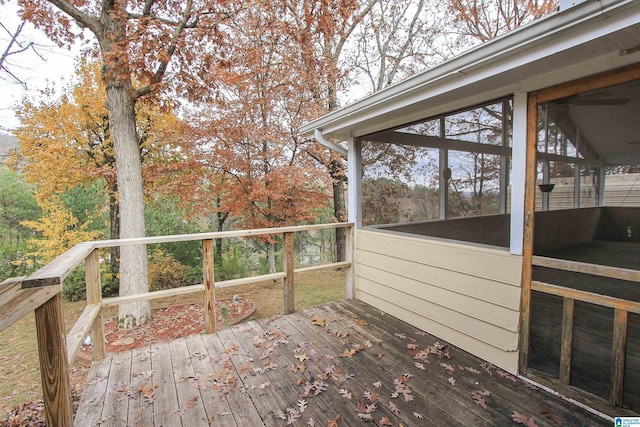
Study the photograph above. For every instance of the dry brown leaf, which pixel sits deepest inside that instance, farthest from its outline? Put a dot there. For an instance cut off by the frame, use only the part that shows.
(334, 422)
(318, 321)
(523, 419)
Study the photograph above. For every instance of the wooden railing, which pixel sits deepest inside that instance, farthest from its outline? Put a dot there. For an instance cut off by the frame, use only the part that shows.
(621, 309)
(41, 292)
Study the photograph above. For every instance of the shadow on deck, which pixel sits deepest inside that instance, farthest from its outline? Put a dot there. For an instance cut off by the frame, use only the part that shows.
(343, 361)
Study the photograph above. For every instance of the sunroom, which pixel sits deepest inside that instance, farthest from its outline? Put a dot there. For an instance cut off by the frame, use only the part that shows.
(496, 201)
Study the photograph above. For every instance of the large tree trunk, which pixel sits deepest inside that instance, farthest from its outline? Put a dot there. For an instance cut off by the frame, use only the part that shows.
(133, 258)
(113, 40)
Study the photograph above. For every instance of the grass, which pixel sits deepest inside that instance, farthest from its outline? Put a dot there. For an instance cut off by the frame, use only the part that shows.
(19, 370)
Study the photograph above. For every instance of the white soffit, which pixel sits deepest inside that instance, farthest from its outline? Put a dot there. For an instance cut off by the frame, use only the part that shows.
(583, 40)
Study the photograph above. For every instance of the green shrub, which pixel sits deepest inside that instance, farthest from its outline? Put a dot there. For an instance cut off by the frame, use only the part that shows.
(74, 287)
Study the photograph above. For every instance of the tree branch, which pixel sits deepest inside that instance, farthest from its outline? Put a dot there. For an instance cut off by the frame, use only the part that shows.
(82, 19)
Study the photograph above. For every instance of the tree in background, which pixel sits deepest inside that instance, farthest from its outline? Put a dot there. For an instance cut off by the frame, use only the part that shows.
(66, 143)
(140, 43)
(256, 108)
(16, 206)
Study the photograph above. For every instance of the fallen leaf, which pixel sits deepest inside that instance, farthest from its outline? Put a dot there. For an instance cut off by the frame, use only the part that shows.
(318, 321)
(418, 415)
(551, 415)
(334, 422)
(345, 393)
(452, 381)
(419, 366)
(302, 405)
(448, 368)
(384, 421)
(377, 384)
(473, 371)
(365, 417)
(371, 397)
(522, 419)
(477, 396)
(301, 357)
(394, 409)
(399, 335)
(348, 352)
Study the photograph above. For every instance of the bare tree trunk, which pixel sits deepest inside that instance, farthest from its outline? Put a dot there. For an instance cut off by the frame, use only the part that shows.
(133, 259)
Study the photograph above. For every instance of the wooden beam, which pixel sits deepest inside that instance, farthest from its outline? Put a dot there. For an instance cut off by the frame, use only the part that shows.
(586, 268)
(54, 370)
(288, 267)
(218, 235)
(567, 340)
(23, 302)
(209, 286)
(57, 270)
(350, 282)
(248, 280)
(527, 245)
(80, 329)
(94, 297)
(590, 297)
(618, 357)
(439, 142)
(149, 296)
(599, 81)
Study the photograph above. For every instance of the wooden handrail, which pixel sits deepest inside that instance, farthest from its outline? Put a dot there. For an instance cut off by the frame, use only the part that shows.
(590, 297)
(41, 292)
(586, 268)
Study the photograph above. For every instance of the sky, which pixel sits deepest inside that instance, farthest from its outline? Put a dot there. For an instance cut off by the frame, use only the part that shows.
(58, 66)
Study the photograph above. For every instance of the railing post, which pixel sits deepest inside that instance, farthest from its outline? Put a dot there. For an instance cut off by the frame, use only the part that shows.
(94, 296)
(209, 286)
(54, 368)
(567, 340)
(288, 267)
(618, 357)
(350, 279)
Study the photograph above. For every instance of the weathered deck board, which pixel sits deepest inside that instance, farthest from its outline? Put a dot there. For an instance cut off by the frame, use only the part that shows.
(252, 374)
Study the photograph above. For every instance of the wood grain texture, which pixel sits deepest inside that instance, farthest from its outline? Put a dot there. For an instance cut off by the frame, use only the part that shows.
(94, 296)
(262, 359)
(567, 340)
(54, 370)
(57, 270)
(23, 302)
(208, 279)
(289, 280)
(618, 357)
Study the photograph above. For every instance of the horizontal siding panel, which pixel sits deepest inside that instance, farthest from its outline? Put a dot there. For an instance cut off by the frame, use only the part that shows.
(488, 333)
(507, 360)
(467, 258)
(502, 294)
(471, 308)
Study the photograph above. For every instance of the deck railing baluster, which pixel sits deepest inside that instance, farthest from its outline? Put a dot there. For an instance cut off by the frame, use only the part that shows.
(618, 356)
(94, 296)
(288, 268)
(567, 339)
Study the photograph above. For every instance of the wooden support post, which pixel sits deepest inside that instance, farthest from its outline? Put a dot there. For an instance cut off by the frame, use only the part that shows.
(288, 267)
(94, 296)
(209, 286)
(567, 340)
(54, 368)
(350, 284)
(618, 357)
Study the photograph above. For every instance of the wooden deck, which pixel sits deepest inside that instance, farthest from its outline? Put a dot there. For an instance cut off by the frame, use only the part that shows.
(343, 361)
